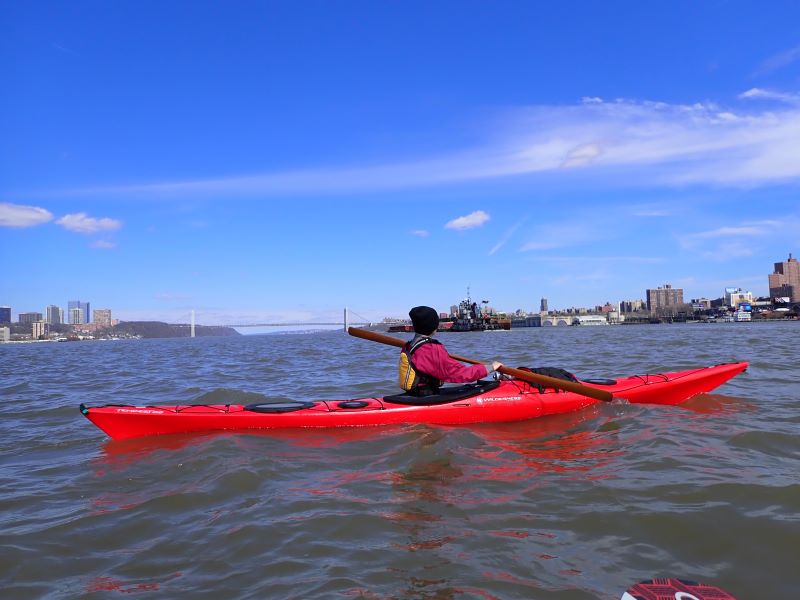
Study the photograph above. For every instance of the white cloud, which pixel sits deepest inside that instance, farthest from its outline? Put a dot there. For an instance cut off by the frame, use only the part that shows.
(470, 221)
(19, 215)
(760, 93)
(421, 233)
(103, 245)
(82, 223)
(616, 143)
(668, 144)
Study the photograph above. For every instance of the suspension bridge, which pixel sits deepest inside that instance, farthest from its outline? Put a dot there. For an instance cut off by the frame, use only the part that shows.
(344, 323)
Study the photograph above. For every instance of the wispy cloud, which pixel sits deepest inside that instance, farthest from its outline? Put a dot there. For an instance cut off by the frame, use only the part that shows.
(779, 61)
(580, 260)
(730, 242)
(651, 211)
(581, 156)
(755, 229)
(172, 296)
(197, 224)
(748, 229)
(668, 144)
(760, 93)
(82, 223)
(728, 251)
(470, 221)
(591, 276)
(564, 235)
(652, 143)
(507, 236)
(103, 245)
(19, 215)
(421, 233)
(63, 49)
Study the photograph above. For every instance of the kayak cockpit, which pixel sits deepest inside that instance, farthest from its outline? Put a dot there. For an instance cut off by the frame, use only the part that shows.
(445, 395)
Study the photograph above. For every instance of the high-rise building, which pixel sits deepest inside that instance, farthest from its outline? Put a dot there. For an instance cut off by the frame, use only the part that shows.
(543, 305)
(664, 299)
(83, 306)
(76, 316)
(785, 281)
(55, 315)
(30, 317)
(5, 314)
(5, 334)
(39, 329)
(102, 317)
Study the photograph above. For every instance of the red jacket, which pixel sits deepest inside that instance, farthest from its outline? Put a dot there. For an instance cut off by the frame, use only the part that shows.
(433, 360)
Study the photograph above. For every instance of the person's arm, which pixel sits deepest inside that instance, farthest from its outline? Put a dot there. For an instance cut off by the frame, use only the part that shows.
(434, 360)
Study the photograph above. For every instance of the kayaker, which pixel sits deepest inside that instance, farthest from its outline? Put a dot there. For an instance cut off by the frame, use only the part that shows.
(425, 363)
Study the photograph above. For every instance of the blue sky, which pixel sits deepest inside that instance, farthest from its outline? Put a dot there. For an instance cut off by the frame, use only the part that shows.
(274, 161)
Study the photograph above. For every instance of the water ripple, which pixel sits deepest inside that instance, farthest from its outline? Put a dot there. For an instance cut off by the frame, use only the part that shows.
(572, 507)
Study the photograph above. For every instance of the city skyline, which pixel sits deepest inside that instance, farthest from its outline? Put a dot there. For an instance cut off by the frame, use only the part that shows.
(380, 157)
(666, 295)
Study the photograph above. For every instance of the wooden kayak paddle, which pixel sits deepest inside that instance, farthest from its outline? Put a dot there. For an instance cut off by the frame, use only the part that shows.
(559, 384)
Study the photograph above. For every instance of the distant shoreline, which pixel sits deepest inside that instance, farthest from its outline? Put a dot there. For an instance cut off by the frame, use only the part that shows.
(131, 330)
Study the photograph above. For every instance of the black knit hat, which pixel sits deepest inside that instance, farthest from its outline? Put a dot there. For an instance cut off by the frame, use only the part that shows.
(425, 319)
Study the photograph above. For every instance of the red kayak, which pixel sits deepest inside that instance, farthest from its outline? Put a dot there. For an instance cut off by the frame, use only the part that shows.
(481, 402)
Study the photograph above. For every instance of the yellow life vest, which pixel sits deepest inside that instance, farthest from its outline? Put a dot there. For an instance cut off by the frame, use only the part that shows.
(410, 379)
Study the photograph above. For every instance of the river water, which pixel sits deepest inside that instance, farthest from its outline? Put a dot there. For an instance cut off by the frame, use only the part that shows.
(571, 507)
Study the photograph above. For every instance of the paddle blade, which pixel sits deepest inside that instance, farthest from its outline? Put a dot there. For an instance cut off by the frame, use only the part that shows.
(674, 589)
